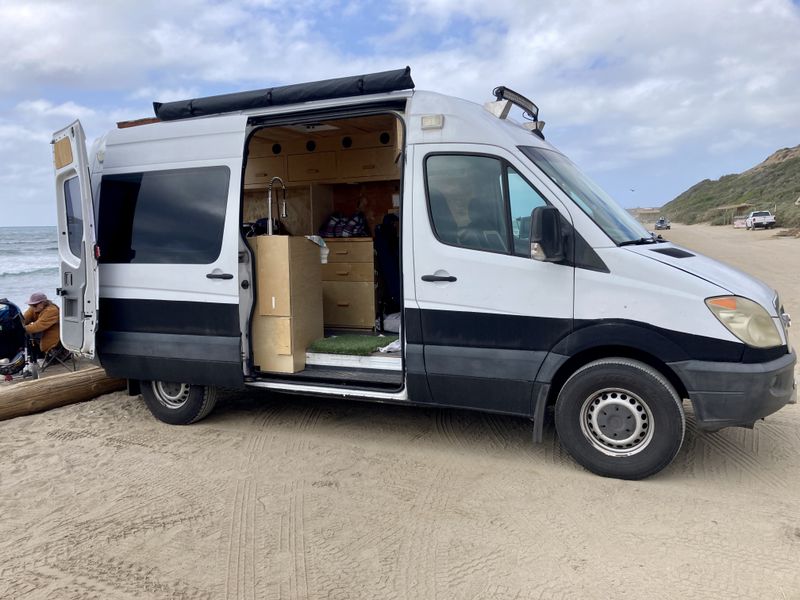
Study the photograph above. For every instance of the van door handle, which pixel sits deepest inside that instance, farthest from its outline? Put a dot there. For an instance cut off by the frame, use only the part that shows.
(449, 278)
(219, 275)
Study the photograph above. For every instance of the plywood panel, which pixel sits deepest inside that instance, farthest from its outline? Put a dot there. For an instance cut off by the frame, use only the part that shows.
(63, 153)
(272, 275)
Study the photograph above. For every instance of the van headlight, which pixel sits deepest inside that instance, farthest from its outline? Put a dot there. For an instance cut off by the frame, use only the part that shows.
(745, 319)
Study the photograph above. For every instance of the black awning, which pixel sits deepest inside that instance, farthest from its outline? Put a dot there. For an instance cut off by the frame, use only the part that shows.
(343, 87)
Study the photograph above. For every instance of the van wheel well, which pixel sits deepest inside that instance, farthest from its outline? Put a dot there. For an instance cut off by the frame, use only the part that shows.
(576, 362)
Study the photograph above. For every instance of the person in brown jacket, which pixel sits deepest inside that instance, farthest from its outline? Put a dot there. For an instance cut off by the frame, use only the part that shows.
(41, 320)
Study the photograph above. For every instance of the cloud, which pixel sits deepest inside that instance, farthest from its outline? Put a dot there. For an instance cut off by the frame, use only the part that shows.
(623, 87)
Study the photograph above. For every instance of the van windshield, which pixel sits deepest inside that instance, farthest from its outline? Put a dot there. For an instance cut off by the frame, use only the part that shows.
(614, 220)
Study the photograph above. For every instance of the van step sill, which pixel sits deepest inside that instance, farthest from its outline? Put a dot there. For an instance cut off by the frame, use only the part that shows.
(340, 377)
(378, 362)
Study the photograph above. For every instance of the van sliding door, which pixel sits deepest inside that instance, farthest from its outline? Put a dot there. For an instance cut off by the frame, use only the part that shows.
(168, 235)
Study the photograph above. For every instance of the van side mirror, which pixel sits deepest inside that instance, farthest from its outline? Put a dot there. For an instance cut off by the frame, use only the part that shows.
(547, 242)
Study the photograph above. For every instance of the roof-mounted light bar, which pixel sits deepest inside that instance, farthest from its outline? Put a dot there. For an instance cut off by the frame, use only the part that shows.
(529, 109)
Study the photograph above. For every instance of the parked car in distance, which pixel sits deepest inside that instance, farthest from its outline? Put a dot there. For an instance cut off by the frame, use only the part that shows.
(760, 218)
(663, 223)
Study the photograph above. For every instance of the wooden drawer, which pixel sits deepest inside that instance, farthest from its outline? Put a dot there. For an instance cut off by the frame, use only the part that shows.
(260, 171)
(368, 162)
(272, 344)
(349, 250)
(312, 167)
(348, 304)
(341, 271)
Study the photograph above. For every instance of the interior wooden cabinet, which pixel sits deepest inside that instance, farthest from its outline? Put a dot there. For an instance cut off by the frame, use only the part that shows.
(338, 151)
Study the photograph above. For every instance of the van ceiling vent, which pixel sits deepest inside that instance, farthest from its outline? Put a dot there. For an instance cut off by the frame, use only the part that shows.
(343, 87)
(674, 252)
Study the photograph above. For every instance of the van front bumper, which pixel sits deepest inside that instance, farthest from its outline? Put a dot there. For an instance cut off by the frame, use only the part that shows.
(737, 394)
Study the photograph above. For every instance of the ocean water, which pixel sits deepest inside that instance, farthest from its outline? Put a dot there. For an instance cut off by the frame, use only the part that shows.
(28, 263)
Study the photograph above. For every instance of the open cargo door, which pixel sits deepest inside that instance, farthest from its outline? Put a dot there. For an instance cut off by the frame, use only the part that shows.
(76, 241)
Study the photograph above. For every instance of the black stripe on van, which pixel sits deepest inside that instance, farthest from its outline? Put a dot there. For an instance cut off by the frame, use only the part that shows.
(186, 342)
(567, 337)
(166, 316)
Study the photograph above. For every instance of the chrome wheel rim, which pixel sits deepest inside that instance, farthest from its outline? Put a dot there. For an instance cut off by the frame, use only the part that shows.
(617, 422)
(171, 395)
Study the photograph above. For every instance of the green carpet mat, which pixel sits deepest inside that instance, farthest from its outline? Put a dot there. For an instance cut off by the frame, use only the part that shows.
(353, 344)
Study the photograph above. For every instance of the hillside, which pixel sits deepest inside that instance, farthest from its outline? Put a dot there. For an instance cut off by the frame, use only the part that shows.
(771, 185)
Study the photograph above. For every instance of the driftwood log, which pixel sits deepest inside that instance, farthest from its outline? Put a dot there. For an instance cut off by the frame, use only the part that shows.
(39, 395)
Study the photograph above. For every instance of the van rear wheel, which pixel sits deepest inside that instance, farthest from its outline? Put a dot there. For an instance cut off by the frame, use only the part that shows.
(178, 403)
(620, 418)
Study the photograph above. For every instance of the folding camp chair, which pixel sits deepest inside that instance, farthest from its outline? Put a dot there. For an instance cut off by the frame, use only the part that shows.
(59, 355)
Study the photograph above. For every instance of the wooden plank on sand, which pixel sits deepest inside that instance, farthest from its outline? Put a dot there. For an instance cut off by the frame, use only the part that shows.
(39, 395)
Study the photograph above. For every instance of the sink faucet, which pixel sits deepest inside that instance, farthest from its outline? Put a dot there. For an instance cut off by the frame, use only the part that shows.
(269, 202)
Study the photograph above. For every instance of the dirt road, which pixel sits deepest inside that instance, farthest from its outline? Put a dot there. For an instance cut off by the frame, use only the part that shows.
(291, 497)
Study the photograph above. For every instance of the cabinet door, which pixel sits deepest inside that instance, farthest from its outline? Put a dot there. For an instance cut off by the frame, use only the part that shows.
(261, 170)
(312, 167)
(368, 162)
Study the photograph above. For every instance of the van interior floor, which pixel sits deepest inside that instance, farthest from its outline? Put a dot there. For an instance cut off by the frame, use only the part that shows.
(349, 358)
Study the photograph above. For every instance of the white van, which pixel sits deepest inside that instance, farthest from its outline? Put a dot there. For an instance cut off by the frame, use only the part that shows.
(521, 285)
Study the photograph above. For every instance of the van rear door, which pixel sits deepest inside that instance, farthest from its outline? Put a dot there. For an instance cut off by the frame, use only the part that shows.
(76, 240)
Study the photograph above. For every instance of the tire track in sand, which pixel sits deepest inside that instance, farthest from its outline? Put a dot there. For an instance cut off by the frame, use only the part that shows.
(240, 581)
(737, 456)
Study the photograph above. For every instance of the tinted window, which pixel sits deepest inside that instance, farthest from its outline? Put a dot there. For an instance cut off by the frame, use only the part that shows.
(72, 200)
(467, 206)
(174, 216)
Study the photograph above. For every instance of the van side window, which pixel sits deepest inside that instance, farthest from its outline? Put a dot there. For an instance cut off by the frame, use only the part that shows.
(72, 200)
(175, 216)
(523, 198)
(467, 207)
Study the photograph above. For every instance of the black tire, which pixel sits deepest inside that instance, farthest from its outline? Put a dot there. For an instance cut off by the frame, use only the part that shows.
(620, 418)
(178, 403)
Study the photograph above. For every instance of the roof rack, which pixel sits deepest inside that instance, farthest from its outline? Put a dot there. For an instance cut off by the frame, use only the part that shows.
(343, 87)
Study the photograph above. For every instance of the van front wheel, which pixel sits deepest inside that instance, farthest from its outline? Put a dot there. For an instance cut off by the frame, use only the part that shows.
(620, 418)
(178, 403)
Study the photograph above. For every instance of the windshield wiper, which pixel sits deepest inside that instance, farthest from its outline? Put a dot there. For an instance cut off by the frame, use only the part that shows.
(639, 242)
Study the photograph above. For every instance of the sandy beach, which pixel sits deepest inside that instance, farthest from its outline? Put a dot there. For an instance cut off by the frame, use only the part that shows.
(292, 497)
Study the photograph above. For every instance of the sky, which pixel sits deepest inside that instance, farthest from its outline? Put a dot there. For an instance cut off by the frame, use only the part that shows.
(647, 97)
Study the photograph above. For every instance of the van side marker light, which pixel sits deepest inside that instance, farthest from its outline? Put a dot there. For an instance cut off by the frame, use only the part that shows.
(432, 121)
(726, 302)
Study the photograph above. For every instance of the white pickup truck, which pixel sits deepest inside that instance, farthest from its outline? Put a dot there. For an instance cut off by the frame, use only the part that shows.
(760, 218)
